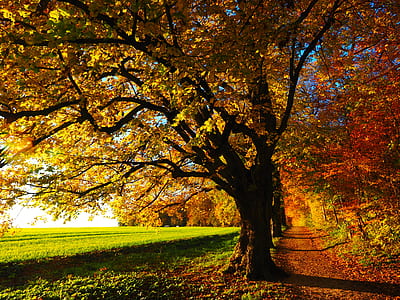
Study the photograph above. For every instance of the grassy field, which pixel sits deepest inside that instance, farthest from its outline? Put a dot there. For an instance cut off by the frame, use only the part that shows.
(161, 263)
(38, 243)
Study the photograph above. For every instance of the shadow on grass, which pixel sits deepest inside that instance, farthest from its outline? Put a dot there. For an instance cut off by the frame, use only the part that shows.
(53, 237)
(349, 285)
(155, 256)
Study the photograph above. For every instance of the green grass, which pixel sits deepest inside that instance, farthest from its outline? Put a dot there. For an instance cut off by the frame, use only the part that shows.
(41, 243)
(179, 268)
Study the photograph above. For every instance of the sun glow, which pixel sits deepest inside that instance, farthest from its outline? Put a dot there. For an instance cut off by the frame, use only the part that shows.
(18, 145)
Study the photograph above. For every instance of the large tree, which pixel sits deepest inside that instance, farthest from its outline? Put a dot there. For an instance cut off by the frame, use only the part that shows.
(130, 98)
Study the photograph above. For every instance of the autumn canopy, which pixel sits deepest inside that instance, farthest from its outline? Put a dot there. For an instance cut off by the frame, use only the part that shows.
(142, 104)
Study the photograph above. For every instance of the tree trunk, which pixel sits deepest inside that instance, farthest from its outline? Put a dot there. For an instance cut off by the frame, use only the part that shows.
(283, 217)
(277, 204)
(252, 255)
(277, 218)
(361, 226)
(324, 211)
(335, 214)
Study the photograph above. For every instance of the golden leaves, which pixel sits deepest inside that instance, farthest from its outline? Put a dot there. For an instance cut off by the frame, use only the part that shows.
(58, 14)
(7, 14)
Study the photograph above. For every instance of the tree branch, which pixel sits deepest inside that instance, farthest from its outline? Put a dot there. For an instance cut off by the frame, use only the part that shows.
(53, 132)
(296, 69)
(155, 197)
(168, 165)
(11, 117)
(203, 190)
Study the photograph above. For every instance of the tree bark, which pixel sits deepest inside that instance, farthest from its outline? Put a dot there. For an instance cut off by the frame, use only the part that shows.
(277, 218)
(277, 204)
(251, 255)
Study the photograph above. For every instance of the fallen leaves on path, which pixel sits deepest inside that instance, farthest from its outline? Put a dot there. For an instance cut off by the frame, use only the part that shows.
(318, 273)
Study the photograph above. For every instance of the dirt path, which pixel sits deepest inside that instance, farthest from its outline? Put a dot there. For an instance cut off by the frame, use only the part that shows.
(317, 273)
